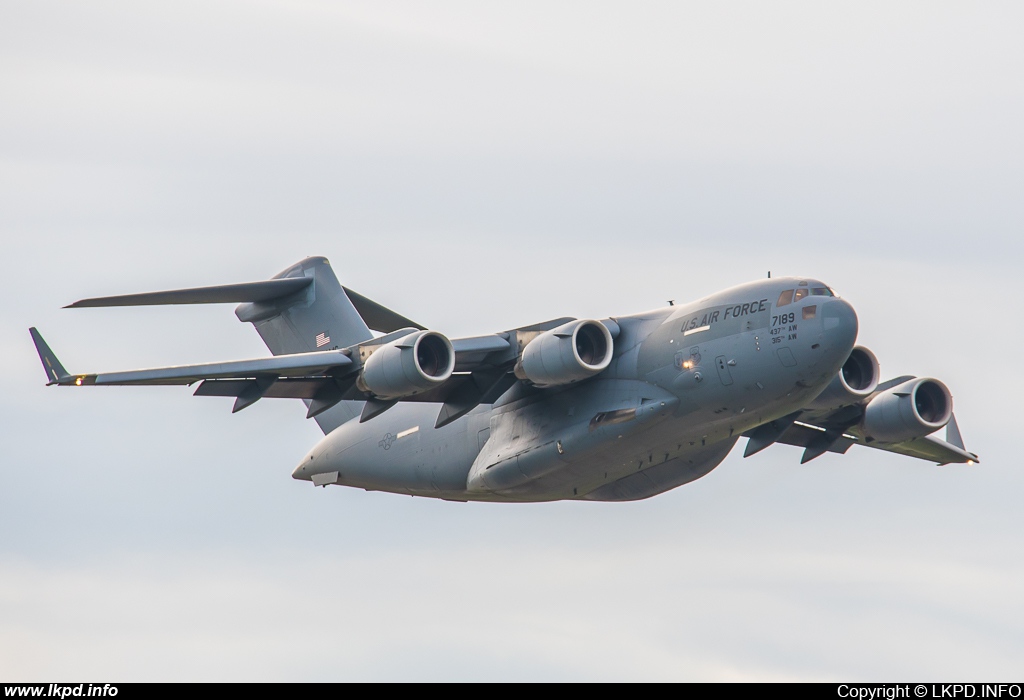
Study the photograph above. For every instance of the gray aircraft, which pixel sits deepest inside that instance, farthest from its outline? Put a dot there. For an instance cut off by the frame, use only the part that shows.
(614, 409)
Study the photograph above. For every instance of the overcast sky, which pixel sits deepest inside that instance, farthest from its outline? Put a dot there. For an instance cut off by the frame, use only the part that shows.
(478, 166)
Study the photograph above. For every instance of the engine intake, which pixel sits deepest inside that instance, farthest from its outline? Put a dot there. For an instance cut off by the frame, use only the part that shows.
(856, 380)
(572, 352)
(408, 366)
(913, 409)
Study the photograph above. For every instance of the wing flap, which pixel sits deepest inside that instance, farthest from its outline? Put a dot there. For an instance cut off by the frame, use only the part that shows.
(321, 378)
(282, 388)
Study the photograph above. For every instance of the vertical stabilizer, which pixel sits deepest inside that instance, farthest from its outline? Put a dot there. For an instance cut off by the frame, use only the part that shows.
(320, 316)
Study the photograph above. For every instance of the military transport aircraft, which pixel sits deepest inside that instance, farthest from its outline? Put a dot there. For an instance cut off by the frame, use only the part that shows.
(614, 409)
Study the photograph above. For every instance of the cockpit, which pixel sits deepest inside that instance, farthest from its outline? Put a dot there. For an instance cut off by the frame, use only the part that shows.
(804, 290)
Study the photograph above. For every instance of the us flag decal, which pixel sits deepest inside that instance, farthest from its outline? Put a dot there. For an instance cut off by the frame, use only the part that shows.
(322, 339)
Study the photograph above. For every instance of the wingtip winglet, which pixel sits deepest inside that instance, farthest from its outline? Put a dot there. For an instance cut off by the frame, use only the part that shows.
(953, 436)
(55, 371)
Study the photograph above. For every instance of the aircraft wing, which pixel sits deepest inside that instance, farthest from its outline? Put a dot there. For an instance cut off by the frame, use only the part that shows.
(287, 376)
(932, 449)
(323, 378)
(837, 430)
(280, 366)
(482, 371)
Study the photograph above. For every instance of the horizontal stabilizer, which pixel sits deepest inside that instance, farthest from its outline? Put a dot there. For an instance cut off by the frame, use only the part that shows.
(378, 317)
(54, 369)
(267, 290)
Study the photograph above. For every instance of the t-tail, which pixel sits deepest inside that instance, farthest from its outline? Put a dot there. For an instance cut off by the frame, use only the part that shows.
(303, 309)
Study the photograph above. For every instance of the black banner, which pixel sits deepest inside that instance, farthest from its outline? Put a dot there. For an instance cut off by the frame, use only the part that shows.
(843, 691)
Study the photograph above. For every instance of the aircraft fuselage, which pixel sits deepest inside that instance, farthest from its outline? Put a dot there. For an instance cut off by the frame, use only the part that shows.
(684, 383)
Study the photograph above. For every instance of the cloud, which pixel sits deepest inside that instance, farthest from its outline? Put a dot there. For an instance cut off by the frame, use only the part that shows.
(666, 607)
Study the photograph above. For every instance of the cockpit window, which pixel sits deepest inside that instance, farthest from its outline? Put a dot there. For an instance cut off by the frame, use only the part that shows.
(791, 295)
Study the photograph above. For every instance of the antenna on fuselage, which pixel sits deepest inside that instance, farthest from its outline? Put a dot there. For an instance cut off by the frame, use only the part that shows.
(769, 274)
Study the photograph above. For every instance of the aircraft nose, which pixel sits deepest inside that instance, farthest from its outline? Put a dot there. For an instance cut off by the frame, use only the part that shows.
(303, 472)
(839, 322)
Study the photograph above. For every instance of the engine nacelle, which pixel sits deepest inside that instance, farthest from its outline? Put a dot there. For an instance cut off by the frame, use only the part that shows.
(572, 352)
(408, 366)
(855, 381)
(913, 409)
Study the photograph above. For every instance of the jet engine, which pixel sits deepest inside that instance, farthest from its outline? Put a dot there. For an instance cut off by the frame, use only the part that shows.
(572, 352)
(411, 365)
(913, 409)
(855, 381)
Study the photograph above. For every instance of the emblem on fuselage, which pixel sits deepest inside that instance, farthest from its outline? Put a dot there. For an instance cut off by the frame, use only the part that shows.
(386, 441)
